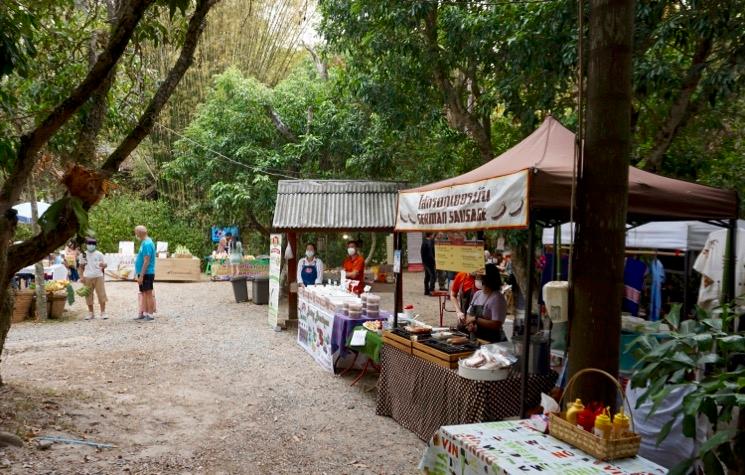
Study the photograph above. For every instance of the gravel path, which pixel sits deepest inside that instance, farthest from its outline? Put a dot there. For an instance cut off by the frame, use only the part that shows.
(206, 388)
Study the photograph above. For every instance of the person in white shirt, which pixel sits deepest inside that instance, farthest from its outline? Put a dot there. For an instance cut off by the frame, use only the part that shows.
(93, 266)
(310, 268)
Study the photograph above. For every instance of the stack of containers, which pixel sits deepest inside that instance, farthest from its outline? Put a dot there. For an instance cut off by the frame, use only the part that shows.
(355, 309)
(373, 306)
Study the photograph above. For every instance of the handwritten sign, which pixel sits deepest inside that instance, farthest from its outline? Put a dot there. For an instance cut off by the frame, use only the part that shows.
(459, 256)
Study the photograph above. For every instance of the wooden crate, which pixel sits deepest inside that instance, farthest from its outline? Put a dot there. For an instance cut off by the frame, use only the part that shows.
(397, 342)
(447, 360)
(178, 270)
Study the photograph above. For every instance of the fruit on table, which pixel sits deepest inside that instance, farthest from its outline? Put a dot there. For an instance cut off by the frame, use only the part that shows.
(182, 250)
(56, 285)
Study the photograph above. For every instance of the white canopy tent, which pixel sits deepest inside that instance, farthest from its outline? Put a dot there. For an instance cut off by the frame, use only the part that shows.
(24, 211)
(670, 235)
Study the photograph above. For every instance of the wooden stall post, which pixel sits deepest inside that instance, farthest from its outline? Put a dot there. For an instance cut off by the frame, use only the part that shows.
(398, 296)
(526, 321)
(292, 276)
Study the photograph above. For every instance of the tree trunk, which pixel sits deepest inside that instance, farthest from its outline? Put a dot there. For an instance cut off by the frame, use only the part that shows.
(602, 199)
(373, 245)
(41, 295)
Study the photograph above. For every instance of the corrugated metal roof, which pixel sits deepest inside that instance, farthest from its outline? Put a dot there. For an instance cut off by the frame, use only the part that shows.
(335, 204)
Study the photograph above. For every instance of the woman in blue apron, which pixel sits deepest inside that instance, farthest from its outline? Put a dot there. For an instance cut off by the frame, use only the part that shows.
(310, 268)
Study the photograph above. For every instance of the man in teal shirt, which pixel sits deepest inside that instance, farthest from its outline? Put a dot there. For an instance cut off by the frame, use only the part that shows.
(145, 272)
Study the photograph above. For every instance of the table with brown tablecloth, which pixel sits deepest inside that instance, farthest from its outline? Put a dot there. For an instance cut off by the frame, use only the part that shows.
(422, 396)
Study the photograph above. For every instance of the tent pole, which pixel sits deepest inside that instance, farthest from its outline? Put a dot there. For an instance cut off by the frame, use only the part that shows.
(398, 291)
(526, 322)
(686, 281)
(557, 253)
(729, 290)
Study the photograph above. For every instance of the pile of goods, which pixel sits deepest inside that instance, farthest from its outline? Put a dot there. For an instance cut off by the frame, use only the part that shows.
(488, 363)
(56, 285)
(182, 252)
(374, 326)
(336, 300)
(591, 427)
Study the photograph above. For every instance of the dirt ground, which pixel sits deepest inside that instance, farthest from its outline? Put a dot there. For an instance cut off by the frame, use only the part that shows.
(206, 388)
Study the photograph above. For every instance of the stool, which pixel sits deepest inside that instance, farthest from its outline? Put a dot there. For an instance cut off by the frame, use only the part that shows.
(442, 297)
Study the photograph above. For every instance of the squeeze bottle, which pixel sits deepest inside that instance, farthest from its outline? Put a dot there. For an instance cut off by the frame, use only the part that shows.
(574, 409)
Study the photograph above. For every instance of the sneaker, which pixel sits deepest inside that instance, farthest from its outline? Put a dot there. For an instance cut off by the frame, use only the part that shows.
(104, 317)
(90, 317)
(141, 317)
(147, 318)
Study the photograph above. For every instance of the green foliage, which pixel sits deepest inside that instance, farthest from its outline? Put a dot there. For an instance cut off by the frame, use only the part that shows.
(706, 341)
(115, 218)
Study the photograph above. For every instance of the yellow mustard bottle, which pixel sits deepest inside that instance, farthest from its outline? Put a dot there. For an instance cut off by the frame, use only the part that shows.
(603, 425)
(574, 408)
(620, 424)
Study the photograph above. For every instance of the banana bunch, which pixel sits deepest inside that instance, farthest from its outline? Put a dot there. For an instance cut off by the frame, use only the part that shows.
(56, 285)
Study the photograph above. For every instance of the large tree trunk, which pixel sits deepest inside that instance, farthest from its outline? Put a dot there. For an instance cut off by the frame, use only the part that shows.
(602, 199)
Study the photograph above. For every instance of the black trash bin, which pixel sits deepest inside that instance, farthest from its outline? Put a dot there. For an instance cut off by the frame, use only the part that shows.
(240, 288)
(261, 290)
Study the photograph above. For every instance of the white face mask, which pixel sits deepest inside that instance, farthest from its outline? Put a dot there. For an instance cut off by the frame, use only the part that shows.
(310, 253)
(91, 247)
(351, 251)
(478, 284)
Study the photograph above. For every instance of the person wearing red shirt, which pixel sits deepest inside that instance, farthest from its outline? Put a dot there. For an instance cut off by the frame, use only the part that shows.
(461, 292)
(354, 266)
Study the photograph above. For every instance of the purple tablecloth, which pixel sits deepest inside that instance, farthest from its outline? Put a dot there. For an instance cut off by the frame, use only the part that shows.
(343, 327)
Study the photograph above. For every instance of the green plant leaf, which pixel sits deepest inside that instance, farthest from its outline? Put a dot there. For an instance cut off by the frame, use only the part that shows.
(716, 440)
(688, 327)
(681, 357)
(48, 220)
(712, 465)
(727, 456)
(689, 425)
(682, 468)
(732, 343)
(673, 316)
(665, 431)
(709, 408)
(708, 358)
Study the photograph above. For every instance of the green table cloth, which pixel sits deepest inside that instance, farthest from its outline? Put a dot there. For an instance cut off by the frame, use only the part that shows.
(373, 344)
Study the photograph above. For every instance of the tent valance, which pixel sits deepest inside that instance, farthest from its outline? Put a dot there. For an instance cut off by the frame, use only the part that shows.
(541, 168)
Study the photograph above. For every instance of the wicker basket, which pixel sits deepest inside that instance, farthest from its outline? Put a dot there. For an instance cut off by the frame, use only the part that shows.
(598, 447)
(22, 305)
(56, 304)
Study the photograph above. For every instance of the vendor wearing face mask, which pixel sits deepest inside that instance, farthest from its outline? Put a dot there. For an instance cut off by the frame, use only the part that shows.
(488, 308)
(310, 268)
(354, 266)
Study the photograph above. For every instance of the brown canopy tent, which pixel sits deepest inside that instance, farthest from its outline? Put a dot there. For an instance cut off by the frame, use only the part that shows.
(532, 183)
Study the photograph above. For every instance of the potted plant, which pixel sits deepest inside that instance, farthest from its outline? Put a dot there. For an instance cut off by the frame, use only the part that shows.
(711, 349)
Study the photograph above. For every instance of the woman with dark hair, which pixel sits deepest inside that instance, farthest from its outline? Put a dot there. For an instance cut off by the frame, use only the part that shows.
(488, 308)
(71, 260)
(310, 267)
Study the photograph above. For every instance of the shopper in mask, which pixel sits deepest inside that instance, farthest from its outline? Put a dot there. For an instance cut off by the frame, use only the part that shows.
(488, 309)
(310, 267)
(354, 267)
(93, 265)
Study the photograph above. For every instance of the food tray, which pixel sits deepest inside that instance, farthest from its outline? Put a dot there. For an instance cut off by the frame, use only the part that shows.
(407, 334)
(445, 347)
(397, 341)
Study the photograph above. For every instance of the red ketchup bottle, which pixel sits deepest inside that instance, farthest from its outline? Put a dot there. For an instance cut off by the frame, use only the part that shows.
(586, 419)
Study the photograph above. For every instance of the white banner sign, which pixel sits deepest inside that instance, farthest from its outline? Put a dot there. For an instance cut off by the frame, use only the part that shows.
(494, 203)
(314, 332)
(275, 266)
